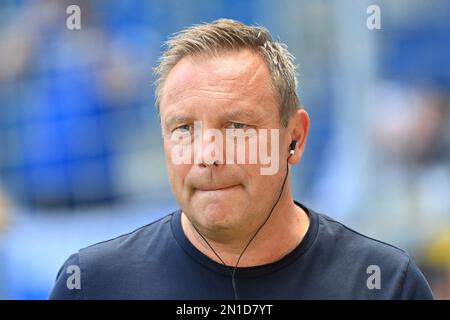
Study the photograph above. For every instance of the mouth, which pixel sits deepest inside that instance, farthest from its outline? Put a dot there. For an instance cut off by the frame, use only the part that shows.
(218, 189)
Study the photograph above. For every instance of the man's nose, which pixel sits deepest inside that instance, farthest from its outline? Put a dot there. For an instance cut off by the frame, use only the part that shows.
(208, 148)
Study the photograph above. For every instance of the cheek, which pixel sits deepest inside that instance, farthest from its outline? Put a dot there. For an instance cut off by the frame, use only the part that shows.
(176, 172)
(263, 187)
(177, 178)
(255, 182)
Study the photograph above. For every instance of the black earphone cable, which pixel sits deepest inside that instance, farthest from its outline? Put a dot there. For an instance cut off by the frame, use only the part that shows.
(233, 271)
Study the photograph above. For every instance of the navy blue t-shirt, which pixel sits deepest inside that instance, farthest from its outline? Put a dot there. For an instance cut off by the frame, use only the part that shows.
(157, 261)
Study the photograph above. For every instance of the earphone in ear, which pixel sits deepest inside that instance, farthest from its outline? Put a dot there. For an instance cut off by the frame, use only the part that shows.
(292, 147)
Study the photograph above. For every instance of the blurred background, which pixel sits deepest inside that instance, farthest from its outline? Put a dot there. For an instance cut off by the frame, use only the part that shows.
(81, 156)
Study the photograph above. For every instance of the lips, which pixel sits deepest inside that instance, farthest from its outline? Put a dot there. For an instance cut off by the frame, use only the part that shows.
(217, 188)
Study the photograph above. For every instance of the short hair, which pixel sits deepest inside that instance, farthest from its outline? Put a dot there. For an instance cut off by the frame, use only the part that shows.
(225, 35)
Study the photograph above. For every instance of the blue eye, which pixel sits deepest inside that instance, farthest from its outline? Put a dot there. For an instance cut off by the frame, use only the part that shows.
(183, 128)
(237, 125)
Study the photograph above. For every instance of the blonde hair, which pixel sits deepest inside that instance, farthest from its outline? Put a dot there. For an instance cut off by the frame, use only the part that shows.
(224, 35)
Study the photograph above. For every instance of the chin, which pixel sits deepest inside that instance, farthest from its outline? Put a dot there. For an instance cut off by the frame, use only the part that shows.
(217, 215)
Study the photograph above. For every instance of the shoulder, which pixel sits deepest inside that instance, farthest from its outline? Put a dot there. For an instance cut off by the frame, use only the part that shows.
(130, 244)
(347, 240)
(97, 267)
(68, 281)
(359, 256)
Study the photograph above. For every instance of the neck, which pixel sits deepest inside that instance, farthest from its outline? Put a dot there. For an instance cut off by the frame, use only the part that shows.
(283, 231)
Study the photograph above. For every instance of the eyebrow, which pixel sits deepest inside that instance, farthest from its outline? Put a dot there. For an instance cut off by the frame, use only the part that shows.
(233, 115)
(239, 114)
(176, 119)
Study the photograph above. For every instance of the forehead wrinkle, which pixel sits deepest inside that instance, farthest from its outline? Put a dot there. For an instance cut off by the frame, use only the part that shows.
(188, 99)
(237, 84)
(220, 71)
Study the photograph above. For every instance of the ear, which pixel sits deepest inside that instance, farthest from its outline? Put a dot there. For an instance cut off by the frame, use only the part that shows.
(298, 128)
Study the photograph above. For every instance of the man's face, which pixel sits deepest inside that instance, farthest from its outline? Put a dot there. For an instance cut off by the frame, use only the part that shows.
(232, 91)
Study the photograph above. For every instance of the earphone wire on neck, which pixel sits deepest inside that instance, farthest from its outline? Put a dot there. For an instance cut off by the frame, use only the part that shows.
(233, 271)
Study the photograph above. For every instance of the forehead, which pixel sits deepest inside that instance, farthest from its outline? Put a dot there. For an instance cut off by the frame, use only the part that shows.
(240, 77)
